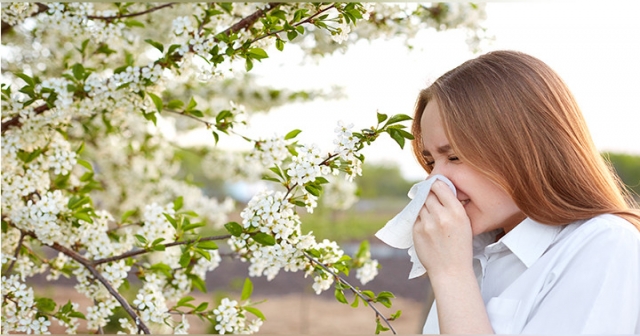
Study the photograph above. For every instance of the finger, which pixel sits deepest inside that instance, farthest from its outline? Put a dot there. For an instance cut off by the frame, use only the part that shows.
(432, 203)
(444, 194)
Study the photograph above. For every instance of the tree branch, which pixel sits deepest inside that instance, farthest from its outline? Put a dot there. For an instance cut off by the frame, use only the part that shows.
(120, 16)
(138, 252)
(353, 289)
(249, 20)
(96, 274)
(16, 253)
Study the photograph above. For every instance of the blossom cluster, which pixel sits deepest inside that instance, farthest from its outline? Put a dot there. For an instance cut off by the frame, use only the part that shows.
(18, 308)
(231, 319)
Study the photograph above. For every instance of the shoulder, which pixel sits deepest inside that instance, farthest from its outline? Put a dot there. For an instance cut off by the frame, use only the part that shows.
(609, 226)
(603, 235)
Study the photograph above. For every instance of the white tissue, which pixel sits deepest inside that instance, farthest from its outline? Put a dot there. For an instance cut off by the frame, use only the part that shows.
(398, 232)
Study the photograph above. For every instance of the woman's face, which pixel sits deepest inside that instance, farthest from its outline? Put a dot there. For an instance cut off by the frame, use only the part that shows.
(487, 205)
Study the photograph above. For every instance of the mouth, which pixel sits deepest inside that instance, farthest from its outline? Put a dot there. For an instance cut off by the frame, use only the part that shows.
(465, 202)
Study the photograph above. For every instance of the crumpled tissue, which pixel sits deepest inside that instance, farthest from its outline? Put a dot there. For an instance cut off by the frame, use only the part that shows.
(398, 232)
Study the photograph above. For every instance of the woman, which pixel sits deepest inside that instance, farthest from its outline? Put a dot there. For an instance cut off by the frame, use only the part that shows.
(540, 237)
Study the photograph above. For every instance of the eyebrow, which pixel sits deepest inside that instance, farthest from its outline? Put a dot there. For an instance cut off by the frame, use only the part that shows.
(441, 150)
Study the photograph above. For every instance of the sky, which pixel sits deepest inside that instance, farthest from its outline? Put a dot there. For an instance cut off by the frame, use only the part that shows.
(595, 47)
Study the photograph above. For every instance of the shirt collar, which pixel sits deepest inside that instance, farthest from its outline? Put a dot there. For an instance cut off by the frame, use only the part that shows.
(530, 239)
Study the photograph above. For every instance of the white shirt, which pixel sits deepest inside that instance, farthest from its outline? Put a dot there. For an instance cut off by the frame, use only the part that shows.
(581, 278)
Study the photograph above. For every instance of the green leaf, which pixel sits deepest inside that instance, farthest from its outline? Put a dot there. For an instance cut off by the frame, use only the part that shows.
(312, 189)
(184, 302)
(369, 294)
(255, 311)
(78, 71)
(208, 245)
(292, 35)
(340, 296)
(157, 101)
(85, 164)
(386, 294)
(185, 259)
(321, 180)
(157, 241)
(395, 315)
(83, 216)
(234, 228)
(171, 220)
(77, 314)
(157, 45)
(356, 301)
(379, 327)
(196, 113)
(247, 289)
(280, 44)
(395, 135)
(381, 117)
(175, 104)
(150, 116)
(45, 305)
(177, 204)
(277, 171)
(158, 248)
(398, 118)
(264, 239)
(202, 307)
(202, 253)
(127, 215)
(66, 308)
(248, 65)
(141, 239)
(134, 23)
(192, 104)
(216, 136)
(26, 79)
(161, 267)
(190, 227)
(257, 53)
(292, 134)
(198, 283)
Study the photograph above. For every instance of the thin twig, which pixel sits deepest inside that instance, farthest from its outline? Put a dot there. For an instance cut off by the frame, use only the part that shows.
(353, 289)
(120, 16)
(249, 20)
(137, 252)
(16, 253)
(96, 274)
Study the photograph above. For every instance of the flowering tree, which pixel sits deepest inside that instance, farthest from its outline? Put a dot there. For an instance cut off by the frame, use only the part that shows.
(94, 96)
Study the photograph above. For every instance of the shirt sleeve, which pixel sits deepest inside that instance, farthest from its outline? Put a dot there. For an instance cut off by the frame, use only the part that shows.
(596, 288)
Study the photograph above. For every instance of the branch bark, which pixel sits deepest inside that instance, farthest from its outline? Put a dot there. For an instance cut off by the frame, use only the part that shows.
(96, 274)
(16, 253)
(111, 18)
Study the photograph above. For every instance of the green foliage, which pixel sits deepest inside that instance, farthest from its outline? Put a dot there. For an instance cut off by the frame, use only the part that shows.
(382, 181)
(627, 167)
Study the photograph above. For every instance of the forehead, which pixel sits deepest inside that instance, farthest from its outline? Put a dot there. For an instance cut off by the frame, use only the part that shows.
(433, 134)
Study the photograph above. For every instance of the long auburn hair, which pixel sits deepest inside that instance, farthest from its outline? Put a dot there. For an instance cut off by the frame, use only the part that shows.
(511, 117)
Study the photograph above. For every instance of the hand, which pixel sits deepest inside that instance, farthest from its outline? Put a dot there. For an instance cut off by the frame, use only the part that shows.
(442, 233)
